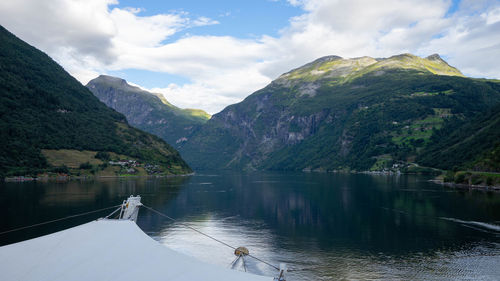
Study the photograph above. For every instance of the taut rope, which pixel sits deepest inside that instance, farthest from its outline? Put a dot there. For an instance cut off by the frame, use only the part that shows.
(213, 238)
(61, 219)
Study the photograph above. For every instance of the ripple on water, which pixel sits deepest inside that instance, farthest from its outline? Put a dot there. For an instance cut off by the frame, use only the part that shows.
(479, 262)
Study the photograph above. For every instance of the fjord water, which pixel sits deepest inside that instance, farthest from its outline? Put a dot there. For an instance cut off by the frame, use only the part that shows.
(324, 226)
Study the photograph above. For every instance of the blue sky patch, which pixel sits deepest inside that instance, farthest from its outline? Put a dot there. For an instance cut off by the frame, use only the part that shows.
(149, 79)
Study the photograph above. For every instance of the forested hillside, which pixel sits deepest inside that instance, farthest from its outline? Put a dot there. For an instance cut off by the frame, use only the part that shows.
(466, 144)
(344, 114)
(43, 107)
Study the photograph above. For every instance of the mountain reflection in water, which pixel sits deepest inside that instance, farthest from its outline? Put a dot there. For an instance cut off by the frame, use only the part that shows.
(324, 226)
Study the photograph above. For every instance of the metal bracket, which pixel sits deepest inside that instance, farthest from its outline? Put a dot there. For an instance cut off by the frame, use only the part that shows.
(130, 208)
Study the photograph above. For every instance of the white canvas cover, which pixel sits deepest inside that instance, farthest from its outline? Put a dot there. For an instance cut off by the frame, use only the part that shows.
(106, 250)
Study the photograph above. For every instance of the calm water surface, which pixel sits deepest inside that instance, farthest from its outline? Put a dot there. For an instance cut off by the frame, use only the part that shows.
(324, 226)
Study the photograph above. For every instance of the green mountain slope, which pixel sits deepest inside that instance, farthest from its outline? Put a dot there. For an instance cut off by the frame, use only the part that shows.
(466, 144)
(147, 111)
(335, 113)
(43, 107)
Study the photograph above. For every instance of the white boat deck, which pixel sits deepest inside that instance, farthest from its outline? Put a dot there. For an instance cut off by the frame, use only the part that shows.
(106, 250)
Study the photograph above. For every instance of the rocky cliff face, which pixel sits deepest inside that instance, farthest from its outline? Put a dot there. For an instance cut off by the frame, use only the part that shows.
(336, 113)
(148, 111)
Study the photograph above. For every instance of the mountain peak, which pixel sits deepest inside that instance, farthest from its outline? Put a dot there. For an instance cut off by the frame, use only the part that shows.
(404, 55)
(327, 59)
(434, 57)
(114, 82)
(342, 70)
(433, 64)
(108, 78)
(111, 80)
(327, 67)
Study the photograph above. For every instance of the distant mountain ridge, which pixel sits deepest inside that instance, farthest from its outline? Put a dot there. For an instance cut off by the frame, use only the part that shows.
(339, 70)
(43, 108)
(148, 111)
(342, 114)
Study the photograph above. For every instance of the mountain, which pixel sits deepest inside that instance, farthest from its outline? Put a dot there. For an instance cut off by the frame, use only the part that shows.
(466, 144)
(49, 121)
(342, 114)
(147, 111)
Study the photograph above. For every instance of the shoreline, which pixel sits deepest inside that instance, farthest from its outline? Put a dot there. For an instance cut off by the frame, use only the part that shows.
(438, 180)
(464, 186)
(63, 178)
(69, 178)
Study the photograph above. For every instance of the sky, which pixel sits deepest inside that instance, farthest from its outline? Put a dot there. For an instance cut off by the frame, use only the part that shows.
(210, 54)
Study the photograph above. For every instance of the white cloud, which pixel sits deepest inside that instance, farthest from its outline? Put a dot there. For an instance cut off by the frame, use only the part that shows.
(87, 37)
(92, 36)
(471, 43)
(358, 28)
(215, 91)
